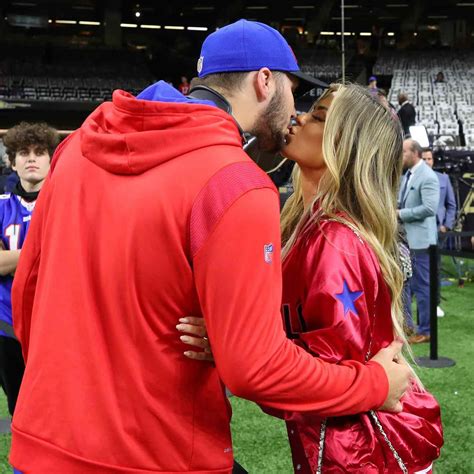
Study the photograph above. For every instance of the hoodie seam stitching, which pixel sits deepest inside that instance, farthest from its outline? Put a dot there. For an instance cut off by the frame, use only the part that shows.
(130, 167)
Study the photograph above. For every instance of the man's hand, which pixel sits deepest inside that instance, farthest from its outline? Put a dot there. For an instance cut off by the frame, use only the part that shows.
(398, 374)
(443, 229)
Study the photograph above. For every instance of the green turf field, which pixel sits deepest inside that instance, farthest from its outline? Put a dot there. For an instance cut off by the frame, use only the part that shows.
(260, 441)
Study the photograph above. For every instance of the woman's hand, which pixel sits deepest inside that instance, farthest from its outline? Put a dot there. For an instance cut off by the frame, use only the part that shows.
(195, 335)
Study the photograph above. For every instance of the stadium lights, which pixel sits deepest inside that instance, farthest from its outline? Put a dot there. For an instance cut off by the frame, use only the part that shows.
(327, 33)
(197, 28)
(390, 33)
(346, 33)
(137, 14)
(128, 25)
(365, 33)
(167, 27)
(91, 23)
(151, 27)
(351, 6)
(66, 22)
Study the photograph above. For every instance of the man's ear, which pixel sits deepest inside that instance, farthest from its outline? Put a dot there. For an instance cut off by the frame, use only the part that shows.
(264, 83)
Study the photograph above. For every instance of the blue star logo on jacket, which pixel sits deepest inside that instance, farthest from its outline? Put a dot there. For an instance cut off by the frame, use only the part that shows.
(348, 298)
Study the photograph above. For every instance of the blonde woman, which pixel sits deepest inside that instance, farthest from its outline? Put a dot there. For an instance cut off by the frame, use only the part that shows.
(342, 281)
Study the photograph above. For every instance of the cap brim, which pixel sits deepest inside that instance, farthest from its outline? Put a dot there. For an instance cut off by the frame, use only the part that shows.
(307, 82)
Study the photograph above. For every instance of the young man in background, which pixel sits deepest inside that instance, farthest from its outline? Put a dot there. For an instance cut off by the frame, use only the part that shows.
(29, 149)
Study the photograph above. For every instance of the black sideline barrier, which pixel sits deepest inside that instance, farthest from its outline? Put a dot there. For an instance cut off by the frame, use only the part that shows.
(434, 360)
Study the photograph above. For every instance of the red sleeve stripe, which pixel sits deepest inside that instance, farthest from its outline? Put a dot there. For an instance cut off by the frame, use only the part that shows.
(220, 192)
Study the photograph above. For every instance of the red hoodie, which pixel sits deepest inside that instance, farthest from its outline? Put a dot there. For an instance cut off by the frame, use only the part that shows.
(152, 211)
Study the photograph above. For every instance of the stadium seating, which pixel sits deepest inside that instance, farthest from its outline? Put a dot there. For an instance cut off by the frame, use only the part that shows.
(63, 75)
(444, 108)
(324, 64)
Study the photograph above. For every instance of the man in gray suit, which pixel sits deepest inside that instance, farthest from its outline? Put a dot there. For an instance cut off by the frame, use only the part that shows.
(446, 214)
(418, 203)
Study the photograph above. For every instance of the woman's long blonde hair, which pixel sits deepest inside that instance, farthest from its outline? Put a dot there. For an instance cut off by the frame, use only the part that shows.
(362, 149)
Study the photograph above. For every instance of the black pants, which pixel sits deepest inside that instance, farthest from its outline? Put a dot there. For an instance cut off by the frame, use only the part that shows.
(12, 368)
(238, 469)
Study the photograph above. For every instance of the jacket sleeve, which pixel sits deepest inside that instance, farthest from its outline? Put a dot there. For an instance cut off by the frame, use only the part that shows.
(26, 274)
(239, 287)
(429, 191)
(450, 204)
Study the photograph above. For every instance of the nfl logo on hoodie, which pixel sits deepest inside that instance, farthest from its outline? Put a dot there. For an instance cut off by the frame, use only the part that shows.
(268, 253)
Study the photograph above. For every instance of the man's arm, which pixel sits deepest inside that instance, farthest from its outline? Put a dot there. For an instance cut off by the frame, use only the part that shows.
(238, 281)
(429, 190)
(8, 261)
(450, 204)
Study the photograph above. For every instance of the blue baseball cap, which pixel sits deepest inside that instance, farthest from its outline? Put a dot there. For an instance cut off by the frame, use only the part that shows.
(249, 46)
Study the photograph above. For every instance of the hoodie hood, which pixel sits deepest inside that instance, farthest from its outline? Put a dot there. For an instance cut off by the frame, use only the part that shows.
(132, 135)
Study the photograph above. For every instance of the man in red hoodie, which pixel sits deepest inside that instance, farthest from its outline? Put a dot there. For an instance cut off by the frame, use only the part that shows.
(153, 211)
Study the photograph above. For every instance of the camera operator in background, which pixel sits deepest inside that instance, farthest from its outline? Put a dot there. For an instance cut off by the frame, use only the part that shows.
(446, 214)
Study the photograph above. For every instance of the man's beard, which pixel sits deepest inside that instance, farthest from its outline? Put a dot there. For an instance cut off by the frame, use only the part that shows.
(268, 127)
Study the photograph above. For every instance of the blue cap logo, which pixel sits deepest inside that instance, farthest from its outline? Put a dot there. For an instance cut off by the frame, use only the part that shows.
(199, 64)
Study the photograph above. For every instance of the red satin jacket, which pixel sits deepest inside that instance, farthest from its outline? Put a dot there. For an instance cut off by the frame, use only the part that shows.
(336, 304)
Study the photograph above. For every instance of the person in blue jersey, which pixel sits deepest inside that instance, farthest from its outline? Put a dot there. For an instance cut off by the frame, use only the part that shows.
(29, 148)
